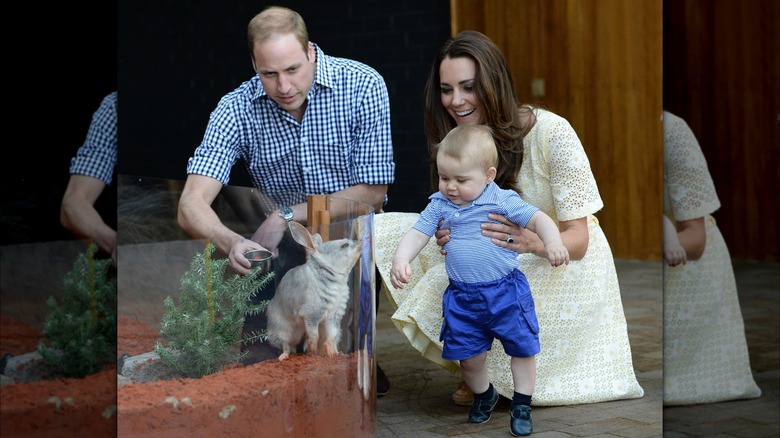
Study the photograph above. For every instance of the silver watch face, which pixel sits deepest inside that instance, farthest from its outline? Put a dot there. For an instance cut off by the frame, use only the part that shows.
(286, 213)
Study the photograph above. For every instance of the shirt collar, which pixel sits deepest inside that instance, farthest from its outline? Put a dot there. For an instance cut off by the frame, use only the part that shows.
(491, 195)
(323, 74)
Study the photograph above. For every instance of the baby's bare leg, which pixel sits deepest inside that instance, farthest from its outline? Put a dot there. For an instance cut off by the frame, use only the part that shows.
(475, 373)
(524, 374)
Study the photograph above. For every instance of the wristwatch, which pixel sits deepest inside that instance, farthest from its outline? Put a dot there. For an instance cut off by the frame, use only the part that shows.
(286, 213)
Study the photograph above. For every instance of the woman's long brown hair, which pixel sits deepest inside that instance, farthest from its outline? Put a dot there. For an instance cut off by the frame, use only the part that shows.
(495, 90)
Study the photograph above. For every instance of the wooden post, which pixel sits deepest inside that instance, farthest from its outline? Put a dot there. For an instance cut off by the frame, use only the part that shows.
(318, 210)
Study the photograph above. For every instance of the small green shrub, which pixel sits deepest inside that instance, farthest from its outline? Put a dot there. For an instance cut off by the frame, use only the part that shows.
(204, 332)
(81, 333)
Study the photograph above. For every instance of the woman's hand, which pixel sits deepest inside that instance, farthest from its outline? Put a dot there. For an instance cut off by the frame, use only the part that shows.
(442, 237)
(522, 240)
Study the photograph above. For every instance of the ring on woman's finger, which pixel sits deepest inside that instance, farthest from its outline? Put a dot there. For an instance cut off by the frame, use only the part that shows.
(510, 239)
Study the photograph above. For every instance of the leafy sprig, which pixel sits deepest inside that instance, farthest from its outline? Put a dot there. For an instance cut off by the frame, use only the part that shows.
(203, 333)
(80, 333)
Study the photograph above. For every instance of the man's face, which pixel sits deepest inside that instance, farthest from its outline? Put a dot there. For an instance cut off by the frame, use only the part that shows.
(285, 70)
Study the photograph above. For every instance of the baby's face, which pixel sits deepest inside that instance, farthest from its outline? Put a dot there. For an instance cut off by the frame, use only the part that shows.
(461, 181)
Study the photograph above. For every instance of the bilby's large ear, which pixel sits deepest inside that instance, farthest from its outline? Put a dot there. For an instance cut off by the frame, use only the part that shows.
(302, 235)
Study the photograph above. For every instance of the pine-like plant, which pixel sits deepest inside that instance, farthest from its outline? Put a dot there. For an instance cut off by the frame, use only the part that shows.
(202, 334)
(80, 335)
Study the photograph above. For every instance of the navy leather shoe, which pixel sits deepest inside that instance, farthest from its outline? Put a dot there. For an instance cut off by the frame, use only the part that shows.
(520, 420)
(481, 410)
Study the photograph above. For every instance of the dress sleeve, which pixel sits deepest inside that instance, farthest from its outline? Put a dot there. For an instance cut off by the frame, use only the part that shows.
(689, 191)
(572, 183)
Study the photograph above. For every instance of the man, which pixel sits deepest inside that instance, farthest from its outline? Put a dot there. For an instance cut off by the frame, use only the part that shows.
(307, 123)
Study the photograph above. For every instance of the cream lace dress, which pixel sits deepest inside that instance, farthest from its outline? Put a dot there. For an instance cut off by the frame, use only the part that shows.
(585, 355)
(705, 353)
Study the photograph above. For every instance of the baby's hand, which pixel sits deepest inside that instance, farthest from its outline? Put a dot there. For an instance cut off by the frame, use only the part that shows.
(674, 254)
(399, 274)
(557, 254)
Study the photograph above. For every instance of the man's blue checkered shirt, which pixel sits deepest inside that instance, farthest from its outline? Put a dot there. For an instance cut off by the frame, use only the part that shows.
(343, 140)
(97, 156)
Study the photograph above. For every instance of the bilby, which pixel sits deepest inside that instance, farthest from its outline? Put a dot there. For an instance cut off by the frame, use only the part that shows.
(311, 299)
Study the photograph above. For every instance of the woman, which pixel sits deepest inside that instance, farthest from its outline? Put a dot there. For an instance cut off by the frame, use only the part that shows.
(705, 352)
(585, 355)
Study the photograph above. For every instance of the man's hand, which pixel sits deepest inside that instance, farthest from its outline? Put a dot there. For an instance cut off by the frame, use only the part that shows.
(238, 261)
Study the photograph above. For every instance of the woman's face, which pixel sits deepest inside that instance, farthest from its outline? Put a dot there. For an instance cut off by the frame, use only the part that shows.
(458, 94)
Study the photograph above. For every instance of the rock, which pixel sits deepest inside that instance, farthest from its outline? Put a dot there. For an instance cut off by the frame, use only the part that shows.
(28, 367)
(147, 367)
(5, 380)
(122, 380)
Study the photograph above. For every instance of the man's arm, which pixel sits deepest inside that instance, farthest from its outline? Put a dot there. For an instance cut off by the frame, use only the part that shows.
(371, 194)
(372, 155)
(270, 232)
(78, 214)
(200, 221)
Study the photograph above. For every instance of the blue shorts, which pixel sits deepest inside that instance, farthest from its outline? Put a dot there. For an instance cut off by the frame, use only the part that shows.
(477, 313)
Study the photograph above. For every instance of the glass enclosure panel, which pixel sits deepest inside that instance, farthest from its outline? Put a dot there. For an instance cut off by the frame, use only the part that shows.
(322, 394)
